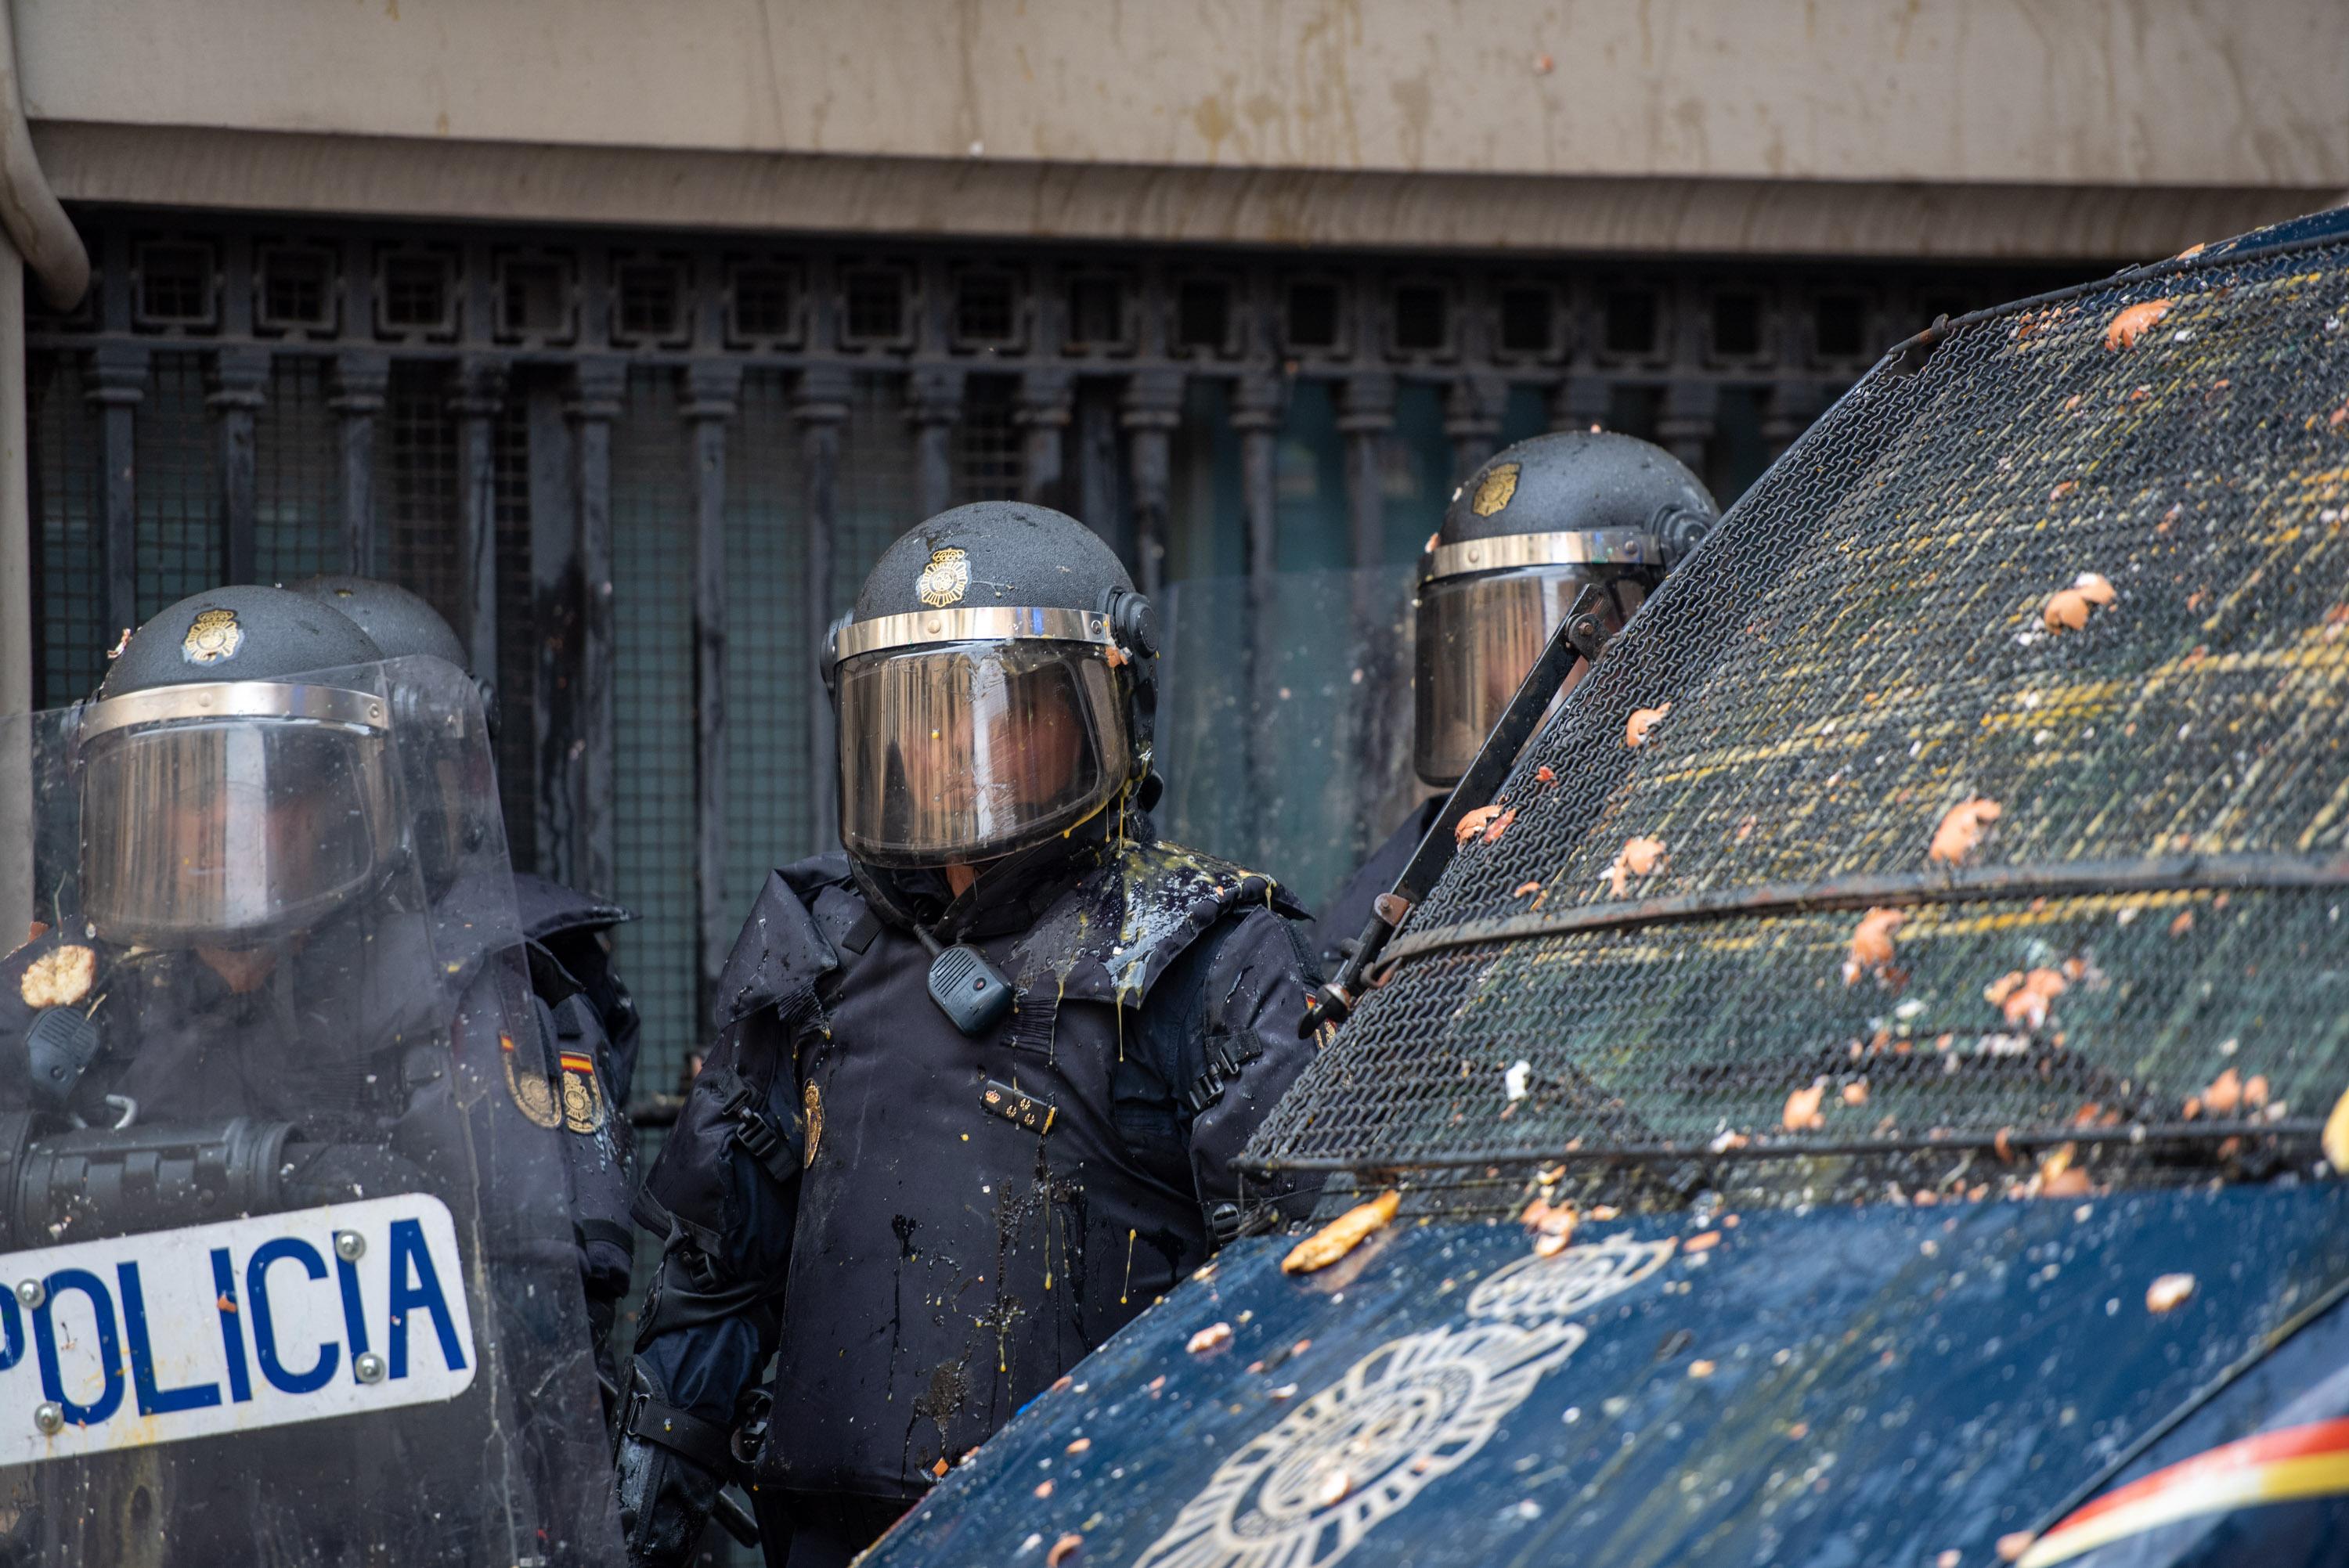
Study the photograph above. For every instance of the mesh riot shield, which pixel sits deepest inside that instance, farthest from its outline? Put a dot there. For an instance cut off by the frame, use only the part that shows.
(1975, 787)
(1285, 730)
(283, 1219)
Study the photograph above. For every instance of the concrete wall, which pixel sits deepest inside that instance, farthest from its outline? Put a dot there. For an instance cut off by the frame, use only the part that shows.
(1707, 124)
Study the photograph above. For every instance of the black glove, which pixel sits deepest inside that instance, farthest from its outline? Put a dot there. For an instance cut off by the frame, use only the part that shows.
(669, 1462)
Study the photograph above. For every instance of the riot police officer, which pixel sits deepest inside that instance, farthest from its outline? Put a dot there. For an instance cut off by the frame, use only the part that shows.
(1537, 524)
(978, 1083)
(279, 981)
(583, 1009)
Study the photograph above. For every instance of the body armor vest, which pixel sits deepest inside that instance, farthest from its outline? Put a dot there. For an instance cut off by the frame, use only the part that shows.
(972, 1220)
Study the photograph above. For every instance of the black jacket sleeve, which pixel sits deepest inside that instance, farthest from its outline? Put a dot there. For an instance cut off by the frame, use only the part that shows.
(1224, 1023)
(726, 1187)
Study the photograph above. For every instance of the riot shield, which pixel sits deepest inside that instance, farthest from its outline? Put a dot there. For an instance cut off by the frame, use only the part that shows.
(1284, 732)
(284, 1228)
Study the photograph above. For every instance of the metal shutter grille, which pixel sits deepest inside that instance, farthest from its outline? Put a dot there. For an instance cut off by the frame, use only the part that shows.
(178, 539)
(652, 573)
(417, 495)
(876, 482)
(771, 678)
(297, 519)
(71, 642)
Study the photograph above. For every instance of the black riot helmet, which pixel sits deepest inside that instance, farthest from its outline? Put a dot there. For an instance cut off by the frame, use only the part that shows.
(994, 686)
(399, 623)
(1536, 525)
(225, 802)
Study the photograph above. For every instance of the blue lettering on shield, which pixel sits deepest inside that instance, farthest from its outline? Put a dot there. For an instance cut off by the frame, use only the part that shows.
(153, 1401)
(110, 1347)
(239, 1380)
(264, 1336)
(408, 1249)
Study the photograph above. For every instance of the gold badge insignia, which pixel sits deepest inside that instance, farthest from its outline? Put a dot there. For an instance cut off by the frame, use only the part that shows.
(1494, 491)
(214, 636)
(944, 580)
(583, 1098)
(532, 1095)
(813, 1102)
(59, 978)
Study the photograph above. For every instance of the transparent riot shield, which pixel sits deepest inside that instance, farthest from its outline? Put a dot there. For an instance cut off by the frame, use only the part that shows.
(283, 1219)
(1284, 729)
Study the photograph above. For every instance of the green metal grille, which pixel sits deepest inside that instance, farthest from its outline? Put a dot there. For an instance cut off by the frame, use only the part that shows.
(652, 572)
(876, 482)
(179, 537)
(73, 638)
(297, 507)
(771, 676)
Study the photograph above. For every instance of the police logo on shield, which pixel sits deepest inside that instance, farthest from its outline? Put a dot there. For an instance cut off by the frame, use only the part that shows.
(213, 636)
(944, 580)
(1494, 491)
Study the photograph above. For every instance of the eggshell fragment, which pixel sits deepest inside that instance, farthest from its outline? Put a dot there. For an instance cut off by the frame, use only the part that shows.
(1341, 1235)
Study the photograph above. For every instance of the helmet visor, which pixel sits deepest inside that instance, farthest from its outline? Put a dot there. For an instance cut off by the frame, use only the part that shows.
(230, 832)
(1477, 636)
(959, 753)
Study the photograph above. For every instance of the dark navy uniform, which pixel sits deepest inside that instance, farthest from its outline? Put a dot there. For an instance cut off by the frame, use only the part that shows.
(932, 1228)
(589, 1022)
(945, 1144)
(585, 1013)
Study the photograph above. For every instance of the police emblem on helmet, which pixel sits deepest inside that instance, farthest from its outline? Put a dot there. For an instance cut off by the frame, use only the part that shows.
(1494, 491)
(213, 636)
(944, 580)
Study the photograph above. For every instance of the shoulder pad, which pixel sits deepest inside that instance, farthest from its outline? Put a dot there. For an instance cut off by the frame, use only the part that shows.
(781, 953)
(544, 908)
(1118, 929)
(812, 875)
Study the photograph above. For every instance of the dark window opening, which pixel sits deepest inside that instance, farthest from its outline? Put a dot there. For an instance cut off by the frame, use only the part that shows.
(1840, 329)
(1313, 316)
(1203, 314)
(297, 288)
(534, 299)
(1526, 324)
(1736, 325)
(1631, 329)
(416, 293)
(175, 285)
(1422, 319)
(651, 300)
(765, 302)
(1097, 312)
(876, 298)
(986, 308)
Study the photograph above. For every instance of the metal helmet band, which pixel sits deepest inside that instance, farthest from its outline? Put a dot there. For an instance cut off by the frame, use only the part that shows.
(975, 623)
(1622, 547)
